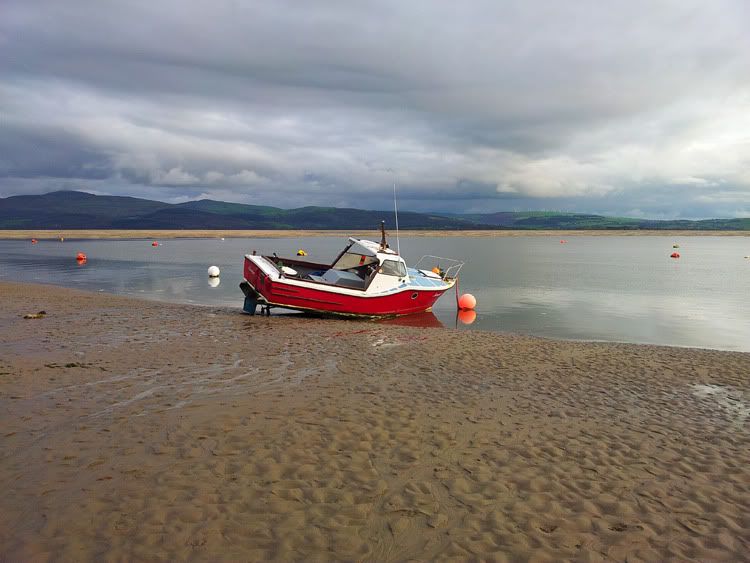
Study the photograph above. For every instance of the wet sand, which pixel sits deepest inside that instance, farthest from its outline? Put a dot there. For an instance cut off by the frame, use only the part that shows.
(167, 234)
(136, 430)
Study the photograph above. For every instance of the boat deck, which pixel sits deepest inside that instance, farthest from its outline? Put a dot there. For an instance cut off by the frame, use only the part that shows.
(352, 278)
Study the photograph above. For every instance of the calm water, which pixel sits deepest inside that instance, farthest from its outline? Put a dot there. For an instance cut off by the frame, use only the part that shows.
(623, 289)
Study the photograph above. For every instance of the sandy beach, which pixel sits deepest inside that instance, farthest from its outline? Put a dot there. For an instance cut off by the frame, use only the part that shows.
(162, 234)
(142, 431)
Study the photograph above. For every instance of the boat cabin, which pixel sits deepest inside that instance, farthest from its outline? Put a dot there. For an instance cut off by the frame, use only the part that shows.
(363, 265)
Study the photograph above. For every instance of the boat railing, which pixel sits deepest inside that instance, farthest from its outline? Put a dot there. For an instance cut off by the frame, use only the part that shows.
(448, 267)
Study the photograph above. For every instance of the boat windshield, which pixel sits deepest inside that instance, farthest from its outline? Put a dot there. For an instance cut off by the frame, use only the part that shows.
(350, 260)
(393, 268)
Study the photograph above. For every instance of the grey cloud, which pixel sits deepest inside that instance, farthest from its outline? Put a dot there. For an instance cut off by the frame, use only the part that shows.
(38, 151)
(584, 105)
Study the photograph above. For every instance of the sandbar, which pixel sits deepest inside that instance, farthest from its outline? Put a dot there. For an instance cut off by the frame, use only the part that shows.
(169, 234)
(144, 431)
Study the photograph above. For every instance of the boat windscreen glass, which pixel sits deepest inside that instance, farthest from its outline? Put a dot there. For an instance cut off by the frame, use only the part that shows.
(350, 260)
(393, 268)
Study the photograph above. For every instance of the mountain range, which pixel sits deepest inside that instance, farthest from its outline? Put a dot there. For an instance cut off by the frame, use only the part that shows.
(80, 210)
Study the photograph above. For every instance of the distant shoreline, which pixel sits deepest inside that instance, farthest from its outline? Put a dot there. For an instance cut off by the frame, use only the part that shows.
(45, 234)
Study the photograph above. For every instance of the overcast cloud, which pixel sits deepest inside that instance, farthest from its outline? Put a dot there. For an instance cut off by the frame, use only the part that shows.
(639, 108)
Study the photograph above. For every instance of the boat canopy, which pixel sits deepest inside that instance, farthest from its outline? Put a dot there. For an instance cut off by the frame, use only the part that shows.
(359, 253)
(364, 247)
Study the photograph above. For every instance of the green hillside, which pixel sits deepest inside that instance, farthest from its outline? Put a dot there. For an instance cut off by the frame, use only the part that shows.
(78, 210)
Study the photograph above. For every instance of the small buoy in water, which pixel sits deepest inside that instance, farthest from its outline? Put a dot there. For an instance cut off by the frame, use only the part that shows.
(467, 316)
(154, 243)
(563, 241)
(34, 241)
(675, 245)
(214, 282)
(301, 252)
(213, 272)
(81, 257)
(222, 238)
(674, 255)
(467, 301)
(62, 239)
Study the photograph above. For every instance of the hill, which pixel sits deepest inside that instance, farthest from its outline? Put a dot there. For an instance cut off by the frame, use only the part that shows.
(79, 210)
(535, 220)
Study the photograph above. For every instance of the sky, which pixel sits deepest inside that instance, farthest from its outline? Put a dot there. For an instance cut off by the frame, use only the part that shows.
(638, 108)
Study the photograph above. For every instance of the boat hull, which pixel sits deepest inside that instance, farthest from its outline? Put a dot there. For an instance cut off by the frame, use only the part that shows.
(325, 300)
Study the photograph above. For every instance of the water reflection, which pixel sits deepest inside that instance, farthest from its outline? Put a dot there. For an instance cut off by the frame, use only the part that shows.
(420, 320)
(593, 288)
(466, 316)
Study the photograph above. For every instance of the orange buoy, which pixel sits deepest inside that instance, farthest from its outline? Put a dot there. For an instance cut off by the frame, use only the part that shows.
(467, 316)
(467, 301)
(81, 257)
(674, 255)
(563, 241)
(34, 241)
(154, 243)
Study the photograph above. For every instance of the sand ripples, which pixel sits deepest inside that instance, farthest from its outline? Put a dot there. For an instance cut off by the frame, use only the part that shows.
(199, 434)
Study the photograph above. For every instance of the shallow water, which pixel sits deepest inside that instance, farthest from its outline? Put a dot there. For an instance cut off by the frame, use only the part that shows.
(610, 288)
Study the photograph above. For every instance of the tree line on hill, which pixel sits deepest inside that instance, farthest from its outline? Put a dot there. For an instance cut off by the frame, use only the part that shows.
(80, 210)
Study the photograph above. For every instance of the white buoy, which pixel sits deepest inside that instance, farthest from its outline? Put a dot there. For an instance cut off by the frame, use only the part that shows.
(213, 272)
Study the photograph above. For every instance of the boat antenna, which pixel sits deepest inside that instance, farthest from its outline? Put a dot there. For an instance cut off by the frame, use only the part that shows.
(395, 210)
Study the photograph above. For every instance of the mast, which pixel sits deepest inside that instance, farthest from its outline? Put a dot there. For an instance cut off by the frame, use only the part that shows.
(395, 209)
(383, 244)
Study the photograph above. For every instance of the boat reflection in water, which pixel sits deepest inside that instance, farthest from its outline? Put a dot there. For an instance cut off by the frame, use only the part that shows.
(418, 320)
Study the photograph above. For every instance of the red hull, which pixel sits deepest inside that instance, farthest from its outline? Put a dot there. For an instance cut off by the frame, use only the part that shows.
(291, 296)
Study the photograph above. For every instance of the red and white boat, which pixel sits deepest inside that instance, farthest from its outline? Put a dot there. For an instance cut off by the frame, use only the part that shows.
(367, 279)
